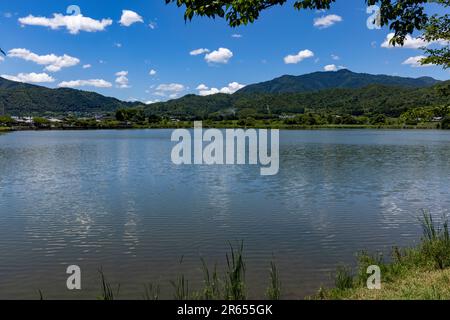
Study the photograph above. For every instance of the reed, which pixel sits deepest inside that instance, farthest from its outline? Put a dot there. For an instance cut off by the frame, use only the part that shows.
(181, 286)
(343, 278)
(107, 291)
(274, 290)
(211, 282)
(235, 288)
(151, 292)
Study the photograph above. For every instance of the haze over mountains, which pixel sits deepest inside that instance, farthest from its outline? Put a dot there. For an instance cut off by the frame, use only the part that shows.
(288, 94)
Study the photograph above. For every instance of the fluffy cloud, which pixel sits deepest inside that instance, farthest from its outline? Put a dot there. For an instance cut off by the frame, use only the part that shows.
(87, 66)
(73, 23)
(415, 62)
(198, 52)
(171, 89)
(299, 57)
(153, 72)
(236, 36)
(221, 55)
(333, 67)
(204, 90)
(122, 80)
(30, 77)
(327, 21)
(130, 17)
(410, 42)
(330, 67)
(98, 83)
(202, 87)
(52, 62)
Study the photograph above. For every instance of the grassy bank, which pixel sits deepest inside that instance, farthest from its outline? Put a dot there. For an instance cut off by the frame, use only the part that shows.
(421, 272)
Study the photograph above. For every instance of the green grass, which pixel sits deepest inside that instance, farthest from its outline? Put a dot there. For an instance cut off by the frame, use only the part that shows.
(181, 286)
(420, 272)
(235, 275)
(151, 292)
(274, 289)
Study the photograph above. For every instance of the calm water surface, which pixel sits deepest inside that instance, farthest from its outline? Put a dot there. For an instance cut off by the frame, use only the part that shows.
(113, 199)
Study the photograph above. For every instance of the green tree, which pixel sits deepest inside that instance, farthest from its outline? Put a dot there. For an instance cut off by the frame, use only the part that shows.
(41, 122)
(445, 124)
(438, 29)
(403, 17)
(6, 120)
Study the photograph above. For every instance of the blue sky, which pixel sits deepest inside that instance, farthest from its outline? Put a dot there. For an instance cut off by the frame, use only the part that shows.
(116, 57)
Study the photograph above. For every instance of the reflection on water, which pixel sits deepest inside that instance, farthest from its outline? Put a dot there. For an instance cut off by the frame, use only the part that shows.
(113, 199)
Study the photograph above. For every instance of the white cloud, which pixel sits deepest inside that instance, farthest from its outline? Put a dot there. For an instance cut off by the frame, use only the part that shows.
(232, 87)
(335, 57)
(202, 87)
(171, 89)
(2, 59)
(198, 52)
(153, 25)
(221, 55)
(30, 77)
(73, 23)
(327, 21)
(415, 62)
(98, 83)
(152, 101)
(153, 72)
(87, 66)
(330, 67)
(129, 17)
(122, 80)
(410, 42)
(236, 36)
(118, 45)
(302, 55)
(52, 62)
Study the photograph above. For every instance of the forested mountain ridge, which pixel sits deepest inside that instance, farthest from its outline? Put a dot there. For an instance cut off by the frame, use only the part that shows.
(341, 92)
(344, 79)
(18, 98)
(370, 100)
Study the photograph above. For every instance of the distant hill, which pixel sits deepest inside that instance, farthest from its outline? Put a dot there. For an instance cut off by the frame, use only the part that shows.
(369, 100)
(344, 79)
(22, 99)
(339, 92)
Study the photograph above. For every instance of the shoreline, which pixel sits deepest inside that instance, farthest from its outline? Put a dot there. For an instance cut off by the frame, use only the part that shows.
(286, 128)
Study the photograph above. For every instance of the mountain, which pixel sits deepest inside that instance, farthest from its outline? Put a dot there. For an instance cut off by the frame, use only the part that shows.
(18, 98)
(370, 100)
(340, 92)
(344, 79)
